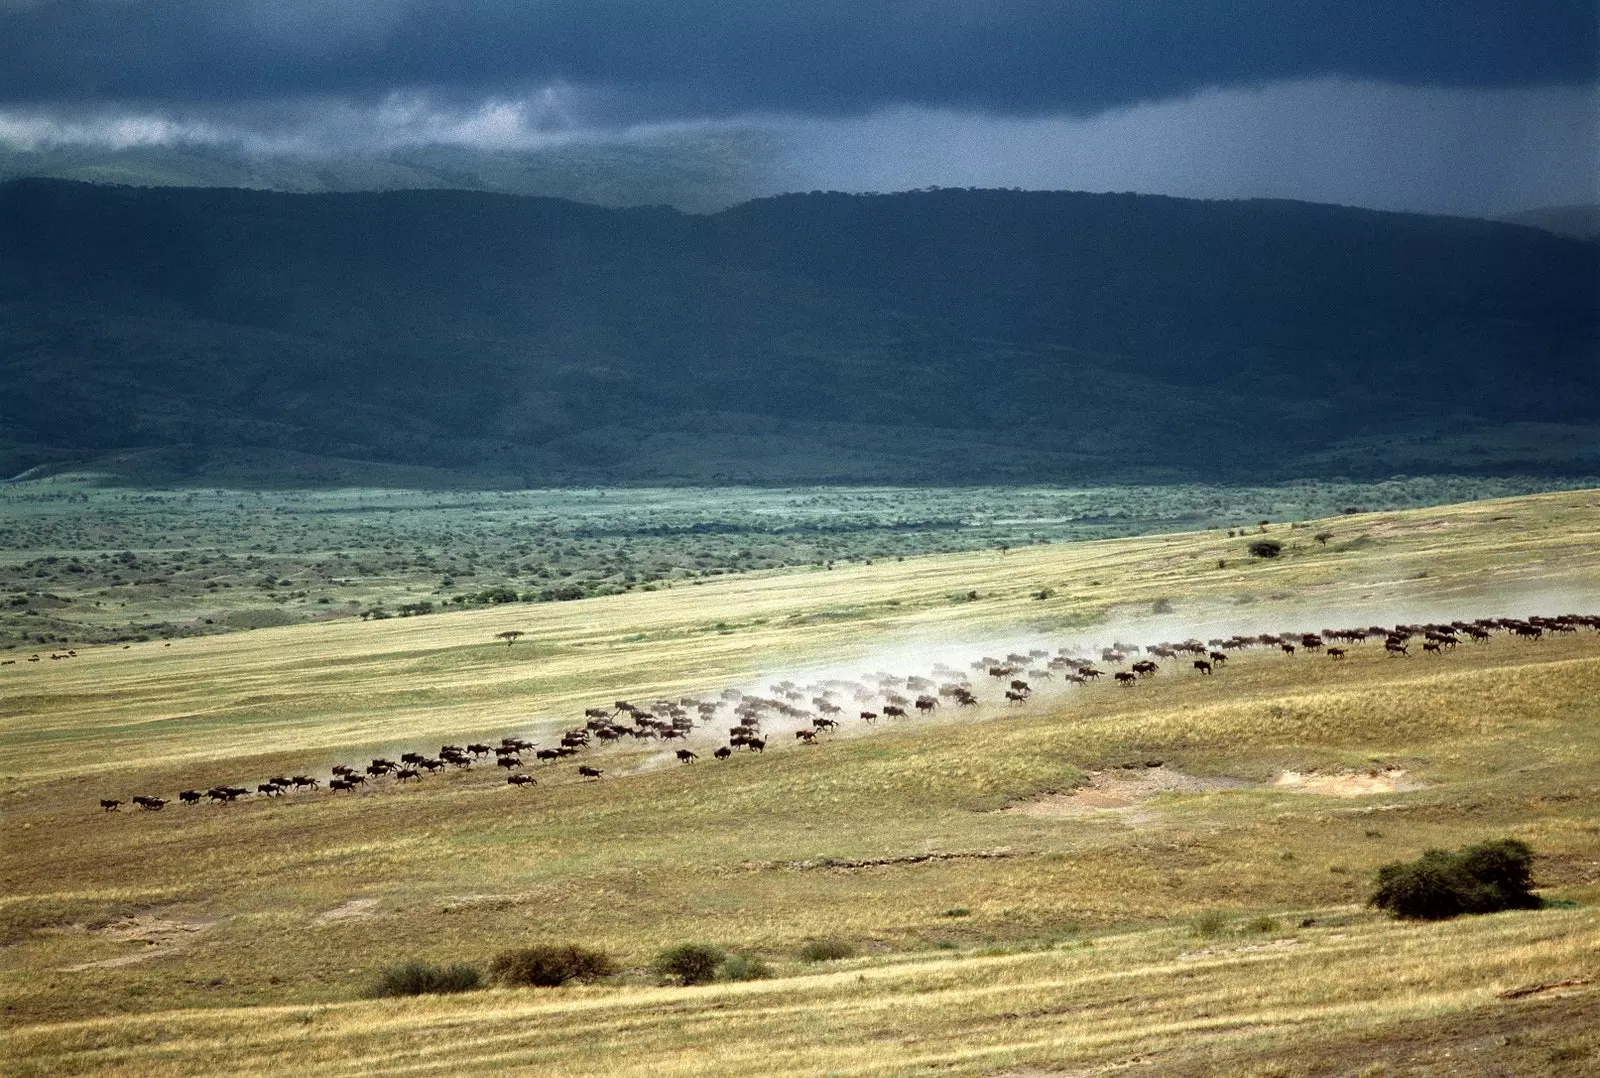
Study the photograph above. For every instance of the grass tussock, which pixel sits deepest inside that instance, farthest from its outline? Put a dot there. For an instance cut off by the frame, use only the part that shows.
(424, 979)
(551, 966)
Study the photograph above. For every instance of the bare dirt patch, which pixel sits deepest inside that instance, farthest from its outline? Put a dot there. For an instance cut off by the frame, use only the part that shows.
(157, 936)
(1119, 790)
(357, 909)
(1347, 783)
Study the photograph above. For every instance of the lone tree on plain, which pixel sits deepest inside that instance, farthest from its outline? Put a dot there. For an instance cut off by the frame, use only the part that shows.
(1266, 548)
(510, 636)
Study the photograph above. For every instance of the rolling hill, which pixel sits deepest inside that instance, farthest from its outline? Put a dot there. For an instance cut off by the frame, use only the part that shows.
(936, 336)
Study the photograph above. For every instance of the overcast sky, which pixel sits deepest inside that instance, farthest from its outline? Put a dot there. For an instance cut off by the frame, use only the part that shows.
(1465, 106)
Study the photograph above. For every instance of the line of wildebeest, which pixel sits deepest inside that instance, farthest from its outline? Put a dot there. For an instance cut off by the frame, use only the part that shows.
(871, 697)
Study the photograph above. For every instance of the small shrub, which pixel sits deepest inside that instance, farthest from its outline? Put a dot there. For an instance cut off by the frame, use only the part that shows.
(826, 951)
(1266, 548)
(420, 978)
(1485, 878)
(1261, 925)
(1209, 924)
(956, 911)
(744, 967)
(689, 963)
(551, 965)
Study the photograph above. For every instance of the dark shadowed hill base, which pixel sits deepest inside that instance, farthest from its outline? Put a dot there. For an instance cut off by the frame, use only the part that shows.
(942, 336)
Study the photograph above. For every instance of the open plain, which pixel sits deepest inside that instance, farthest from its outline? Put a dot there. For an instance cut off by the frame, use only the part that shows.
(1163, 877)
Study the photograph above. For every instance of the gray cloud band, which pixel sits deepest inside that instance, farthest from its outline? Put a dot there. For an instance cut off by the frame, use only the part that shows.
(644, 60)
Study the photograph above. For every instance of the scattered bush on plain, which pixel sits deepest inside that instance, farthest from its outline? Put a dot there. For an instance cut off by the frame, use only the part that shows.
(1486, 878)
(1266, 548)
(744, 967)
(551, 965)
(829, 950)
(420, 979)
(689, 963)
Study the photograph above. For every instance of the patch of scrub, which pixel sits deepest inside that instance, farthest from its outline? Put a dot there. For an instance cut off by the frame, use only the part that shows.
(1119, 790)
(1390, 780)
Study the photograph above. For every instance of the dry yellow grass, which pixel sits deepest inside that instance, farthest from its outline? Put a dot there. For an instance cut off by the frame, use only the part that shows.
(292, 906)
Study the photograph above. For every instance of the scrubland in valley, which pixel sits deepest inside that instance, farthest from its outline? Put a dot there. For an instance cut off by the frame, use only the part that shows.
(1213, 925)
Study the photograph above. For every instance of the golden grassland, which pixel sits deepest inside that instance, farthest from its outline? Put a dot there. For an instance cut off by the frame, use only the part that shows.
(1074, 950)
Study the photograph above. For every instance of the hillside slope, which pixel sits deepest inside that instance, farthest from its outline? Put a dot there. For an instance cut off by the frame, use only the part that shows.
(942, 335)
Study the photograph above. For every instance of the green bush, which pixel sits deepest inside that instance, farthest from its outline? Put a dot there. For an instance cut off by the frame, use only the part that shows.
(1208, 924)
(826, 951)
(1266, 548)
(688, 963)
(1485, 878)
(420, 978)
(551, 965)
(744, 967)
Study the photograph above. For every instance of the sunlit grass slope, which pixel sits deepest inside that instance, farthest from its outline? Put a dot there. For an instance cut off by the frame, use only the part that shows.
(294, 904)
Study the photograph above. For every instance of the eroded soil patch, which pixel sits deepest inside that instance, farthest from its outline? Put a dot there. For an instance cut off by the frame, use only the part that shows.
(1119, 790)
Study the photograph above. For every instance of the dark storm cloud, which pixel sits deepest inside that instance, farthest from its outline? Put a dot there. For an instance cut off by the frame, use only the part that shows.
(822, 57)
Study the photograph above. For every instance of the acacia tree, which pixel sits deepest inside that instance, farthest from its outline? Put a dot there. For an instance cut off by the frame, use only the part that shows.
(510, 636)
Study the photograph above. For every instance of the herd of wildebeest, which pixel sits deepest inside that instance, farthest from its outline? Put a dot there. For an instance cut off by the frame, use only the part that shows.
(819, 709)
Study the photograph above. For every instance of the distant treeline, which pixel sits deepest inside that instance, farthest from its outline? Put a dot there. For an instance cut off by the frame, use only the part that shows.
(942, 336)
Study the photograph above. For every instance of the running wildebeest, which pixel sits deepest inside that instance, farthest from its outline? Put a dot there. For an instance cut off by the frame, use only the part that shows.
(723, 753)
(1336, 653)
(894, 711)
(808, 736)
(869, 717)
(301, 781)
(190, 797)
(1203, 666)
(686, 756)
(1014, 697)
(824, 724)
(1126, 679)
(585, 771)
(271, 789)
(108, 804)
(521, 780)
(406, 773)
(508, 762)
(154, 804)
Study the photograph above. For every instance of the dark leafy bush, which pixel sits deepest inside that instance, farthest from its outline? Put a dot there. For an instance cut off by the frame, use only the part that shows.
(689, 963)
(744, 967)
(551, 965)
(1266, 548)
(420, 978)
(826, 951)
(1485, 878)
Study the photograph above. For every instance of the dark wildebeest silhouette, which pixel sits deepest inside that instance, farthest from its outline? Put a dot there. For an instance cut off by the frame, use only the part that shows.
(343, 770)
(413, 757)
(808, 736)
(1014, 697)
(190, 797)
(341, 784)
(1126, 679)
(894, 711)
(1203, 666)
(431, 765)
(1394, 647)
(406, 773)
(301, 781)
(521, 780)
(508, 762)
(1219, 658)
(869, 717)
(1336, 653)
(1288, 649)
(823, 724)
(758, 744)
(108, 804)
(723, 753)
(271, 789)
(154, 804)
(585, 771)
(686, 755)
(549, 756)
(1431, 647)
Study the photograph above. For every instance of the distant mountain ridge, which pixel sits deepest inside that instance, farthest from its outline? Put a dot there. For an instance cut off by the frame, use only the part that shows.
(938, 336)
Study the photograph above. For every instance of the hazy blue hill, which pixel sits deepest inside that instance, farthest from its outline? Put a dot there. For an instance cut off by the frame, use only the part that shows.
(1579, 222)
(940, 336)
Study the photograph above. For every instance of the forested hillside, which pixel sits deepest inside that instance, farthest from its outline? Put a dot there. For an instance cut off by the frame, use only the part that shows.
(946, 335)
